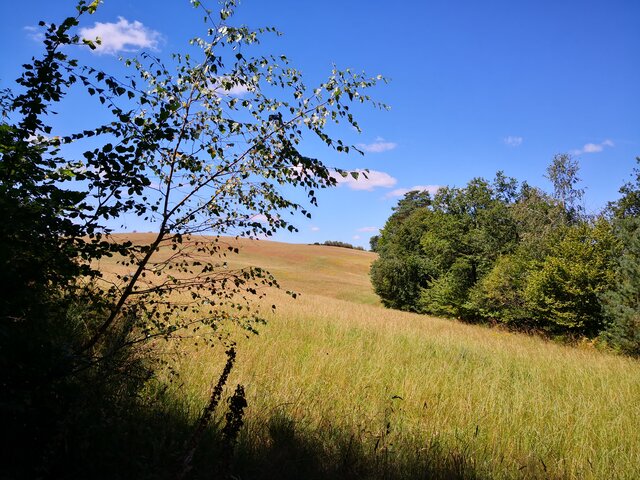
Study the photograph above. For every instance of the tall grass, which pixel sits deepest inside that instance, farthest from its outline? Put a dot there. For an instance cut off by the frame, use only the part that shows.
(346, 389)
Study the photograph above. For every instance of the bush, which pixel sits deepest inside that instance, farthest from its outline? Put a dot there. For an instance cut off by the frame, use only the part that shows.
(499, 296)
(448, 294)
(564, 292)
(399, 281)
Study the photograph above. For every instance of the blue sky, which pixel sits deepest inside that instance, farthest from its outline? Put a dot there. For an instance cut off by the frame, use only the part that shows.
(475, 87)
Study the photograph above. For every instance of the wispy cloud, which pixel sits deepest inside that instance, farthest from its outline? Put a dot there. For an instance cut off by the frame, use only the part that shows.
(34, 33)
(399, 192)
(368, 229)
(378, 146)
(356, 237)
(367, 180)
(237, 90)
(512, 141)
(121, 36)
(315, 229)
(593, 147)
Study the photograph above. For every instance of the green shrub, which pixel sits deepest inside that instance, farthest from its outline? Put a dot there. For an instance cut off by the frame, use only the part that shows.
(499, 296)
(398, 281)
(563, 292)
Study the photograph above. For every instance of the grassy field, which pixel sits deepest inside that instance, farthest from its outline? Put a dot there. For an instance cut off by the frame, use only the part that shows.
(339, 387)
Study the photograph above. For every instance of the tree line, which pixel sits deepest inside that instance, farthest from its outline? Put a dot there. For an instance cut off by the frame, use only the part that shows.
(337, 243)
(504, 252)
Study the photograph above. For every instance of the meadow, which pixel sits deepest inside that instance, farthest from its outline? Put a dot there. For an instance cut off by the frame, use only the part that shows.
(340, 387)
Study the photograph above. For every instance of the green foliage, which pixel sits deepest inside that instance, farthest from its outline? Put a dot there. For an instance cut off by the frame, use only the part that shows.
(563, 174)
(373, 243)
(499, 295)
(454, 237)
(398, 280)
(502, 253)
(628, 205)
(538, 218)
(412, 201)
(622, 302)
(563, 291)
(401, 271)
(557, 292)
(447, 294)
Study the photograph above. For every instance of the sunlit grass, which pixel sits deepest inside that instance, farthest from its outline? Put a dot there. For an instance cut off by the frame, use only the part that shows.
(405, 387)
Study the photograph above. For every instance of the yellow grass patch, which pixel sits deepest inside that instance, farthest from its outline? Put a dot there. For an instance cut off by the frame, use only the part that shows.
(403, 385)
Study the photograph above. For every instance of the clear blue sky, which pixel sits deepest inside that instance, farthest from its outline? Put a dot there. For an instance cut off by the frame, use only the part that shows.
(475, 87)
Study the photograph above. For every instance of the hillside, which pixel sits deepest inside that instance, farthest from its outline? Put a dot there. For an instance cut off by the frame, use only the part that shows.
(339, 387)
(334, 272)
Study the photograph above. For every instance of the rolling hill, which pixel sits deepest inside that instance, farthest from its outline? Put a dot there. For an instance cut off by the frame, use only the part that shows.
(340, 387)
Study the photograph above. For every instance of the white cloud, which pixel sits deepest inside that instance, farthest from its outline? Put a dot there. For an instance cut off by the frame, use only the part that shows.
(39, 138)
(121, 36)
(593, 147)
(315, 229)
(356, 237)
(368, 229)
(366, 180)
(237, 90)
(399, 192)
(378, 146)
(512, 141)
(34, 33)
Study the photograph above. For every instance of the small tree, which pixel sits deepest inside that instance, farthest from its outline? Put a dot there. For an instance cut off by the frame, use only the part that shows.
(181, 151)
(218, 163)
(184, 153)
(563, 174)
(563, 291)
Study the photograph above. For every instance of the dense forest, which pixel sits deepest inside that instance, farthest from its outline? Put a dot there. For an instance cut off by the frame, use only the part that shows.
(509, 253)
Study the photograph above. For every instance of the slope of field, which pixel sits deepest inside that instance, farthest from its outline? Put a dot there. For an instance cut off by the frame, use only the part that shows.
(339, 387)
(334, 272)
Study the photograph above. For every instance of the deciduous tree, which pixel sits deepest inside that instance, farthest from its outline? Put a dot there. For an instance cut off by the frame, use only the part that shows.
(180, 151)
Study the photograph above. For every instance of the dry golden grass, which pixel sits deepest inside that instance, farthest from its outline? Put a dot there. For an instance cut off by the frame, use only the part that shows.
(407, 387)
(308, 269)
